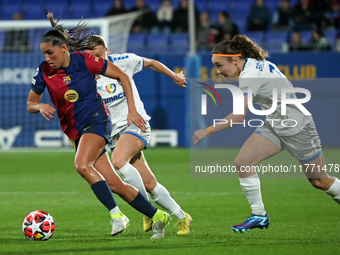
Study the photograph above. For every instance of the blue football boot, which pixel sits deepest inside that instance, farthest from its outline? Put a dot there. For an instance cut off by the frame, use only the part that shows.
(254, 221)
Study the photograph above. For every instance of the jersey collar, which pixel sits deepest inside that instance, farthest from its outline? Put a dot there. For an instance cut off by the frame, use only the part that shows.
(245, 63)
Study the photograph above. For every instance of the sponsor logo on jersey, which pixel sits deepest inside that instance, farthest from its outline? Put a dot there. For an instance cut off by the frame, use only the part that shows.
(51, 76)
(71, 95)
(114, 98)
(96, 59)
(67, 79)
(111, 88)
(260, 65)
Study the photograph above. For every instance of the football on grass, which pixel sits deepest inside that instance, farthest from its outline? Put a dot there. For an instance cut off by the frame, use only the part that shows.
(38, 226)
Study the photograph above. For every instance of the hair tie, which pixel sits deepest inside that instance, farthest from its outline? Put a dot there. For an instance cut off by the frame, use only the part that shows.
(227, 55)
(59, 28)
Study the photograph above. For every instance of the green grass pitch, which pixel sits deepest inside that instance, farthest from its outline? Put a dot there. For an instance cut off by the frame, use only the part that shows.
(303, 220)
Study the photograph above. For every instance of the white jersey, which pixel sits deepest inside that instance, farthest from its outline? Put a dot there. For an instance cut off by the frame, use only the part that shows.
(112, 92)
(262, 76)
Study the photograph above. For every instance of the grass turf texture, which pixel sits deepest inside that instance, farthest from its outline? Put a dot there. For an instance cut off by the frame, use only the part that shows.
(303, 220)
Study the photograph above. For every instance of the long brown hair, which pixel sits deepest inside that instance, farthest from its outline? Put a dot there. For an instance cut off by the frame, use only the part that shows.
(241, 44)
(73, 38)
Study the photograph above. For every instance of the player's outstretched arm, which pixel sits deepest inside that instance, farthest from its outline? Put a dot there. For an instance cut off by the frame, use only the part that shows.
(157, 66)
(115, 72)
(217, 127)
(221, 125)
(33, 106)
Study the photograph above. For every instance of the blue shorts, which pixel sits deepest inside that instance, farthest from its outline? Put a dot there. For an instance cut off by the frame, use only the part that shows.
(102, 129)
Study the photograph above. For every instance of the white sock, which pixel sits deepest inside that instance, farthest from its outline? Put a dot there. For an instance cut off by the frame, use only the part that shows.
(115, 210)
(252, 190)
(161, 196)
(334, 190)
(132, 176)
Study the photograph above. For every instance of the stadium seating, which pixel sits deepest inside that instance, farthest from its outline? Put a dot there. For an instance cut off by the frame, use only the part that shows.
(59, 8)
(175, 3)
(331, 34)
(154, 5)
(2, 39)
(272, 5)
(241, 23)
(35, 10)
(240, 8)
(275, 40)
(258, 37)
(179, 42)
(201, 5)
(129, 4)
(153, 43)
(306, 36)
(219, 5)
(157, 43)
(136, 43)
(277, 37)
(9, 8)
(81, 10)
(100, 10)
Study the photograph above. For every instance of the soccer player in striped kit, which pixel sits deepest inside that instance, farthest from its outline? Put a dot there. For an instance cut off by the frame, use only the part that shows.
(242, 57)
(70, 79)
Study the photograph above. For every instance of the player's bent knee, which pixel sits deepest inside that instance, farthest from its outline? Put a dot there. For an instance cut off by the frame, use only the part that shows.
(319, 183)
(118, 163)
(150, 185)
(81, 169)
(239, 162)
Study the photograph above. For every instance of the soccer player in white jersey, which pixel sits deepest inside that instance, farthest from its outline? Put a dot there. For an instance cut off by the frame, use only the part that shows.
(127, 140)
(242, 57)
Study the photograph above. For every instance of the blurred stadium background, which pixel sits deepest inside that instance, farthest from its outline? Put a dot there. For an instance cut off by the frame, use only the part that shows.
(164, 101)
(303, 220)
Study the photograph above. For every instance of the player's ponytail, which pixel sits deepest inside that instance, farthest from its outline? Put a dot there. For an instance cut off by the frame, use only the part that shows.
(72, 38)
(241, 44)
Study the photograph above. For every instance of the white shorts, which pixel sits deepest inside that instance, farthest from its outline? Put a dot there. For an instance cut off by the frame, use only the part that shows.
(132, 130)
(305, 146)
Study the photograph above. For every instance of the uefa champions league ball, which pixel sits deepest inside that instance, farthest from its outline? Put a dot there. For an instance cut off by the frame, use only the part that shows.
(38, 226)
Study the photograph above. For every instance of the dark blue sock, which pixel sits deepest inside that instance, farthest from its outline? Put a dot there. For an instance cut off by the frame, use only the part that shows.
(103, 192)
(141, 204)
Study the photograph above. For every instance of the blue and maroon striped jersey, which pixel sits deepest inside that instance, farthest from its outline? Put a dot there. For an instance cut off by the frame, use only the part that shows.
(73, 91)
